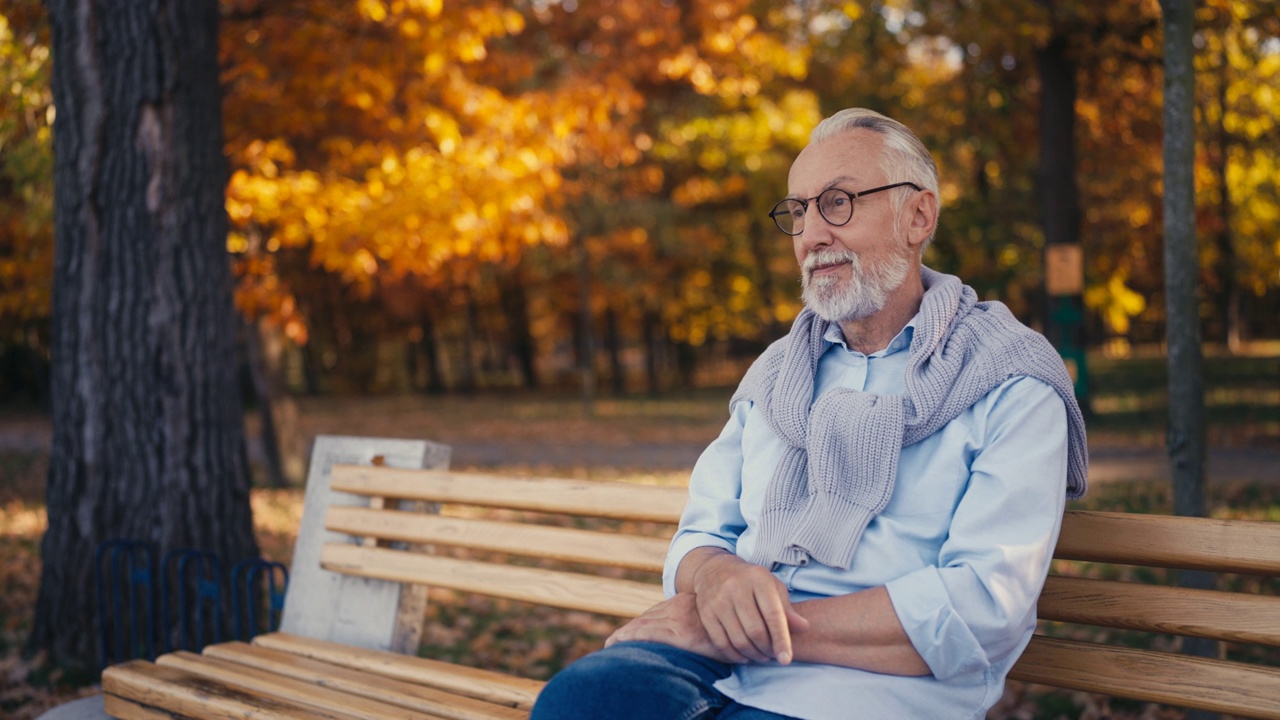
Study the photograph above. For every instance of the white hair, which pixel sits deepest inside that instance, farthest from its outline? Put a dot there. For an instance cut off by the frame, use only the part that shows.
(905, 158)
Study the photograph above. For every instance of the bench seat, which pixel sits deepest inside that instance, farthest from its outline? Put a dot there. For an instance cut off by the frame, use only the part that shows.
(283, 675)
(600, 547)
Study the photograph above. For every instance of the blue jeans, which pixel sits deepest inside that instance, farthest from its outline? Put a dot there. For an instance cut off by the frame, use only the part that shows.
(642, 681)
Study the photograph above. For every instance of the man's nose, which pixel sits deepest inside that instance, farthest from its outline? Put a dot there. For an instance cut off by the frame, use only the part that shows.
(817, 231)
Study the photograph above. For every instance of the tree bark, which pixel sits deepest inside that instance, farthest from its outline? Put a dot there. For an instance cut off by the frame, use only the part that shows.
(148, 435)
(1186, 436)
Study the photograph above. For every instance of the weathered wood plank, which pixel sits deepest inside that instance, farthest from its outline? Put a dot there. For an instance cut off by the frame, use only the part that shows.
(352, 610)
(182, 693)
(1194, 682)
(622, 501)
(473, 682)
(609, 549)
(118, 707)
(1155, 608)
(1242, 546)
(361, 683)
(574, 591)
(283, 688)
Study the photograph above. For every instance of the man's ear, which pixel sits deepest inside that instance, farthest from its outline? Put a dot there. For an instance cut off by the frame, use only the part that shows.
(923, 217)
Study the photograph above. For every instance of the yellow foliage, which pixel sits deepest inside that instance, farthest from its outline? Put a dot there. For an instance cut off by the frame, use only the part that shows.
(1116, 302)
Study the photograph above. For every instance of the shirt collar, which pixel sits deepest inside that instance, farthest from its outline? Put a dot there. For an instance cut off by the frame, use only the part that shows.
(901, 341)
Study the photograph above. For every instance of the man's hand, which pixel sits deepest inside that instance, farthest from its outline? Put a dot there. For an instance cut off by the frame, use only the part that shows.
(744, 610)
(673, 622)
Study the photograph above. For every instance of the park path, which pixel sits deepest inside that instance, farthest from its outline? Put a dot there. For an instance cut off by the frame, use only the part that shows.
(1108, 463)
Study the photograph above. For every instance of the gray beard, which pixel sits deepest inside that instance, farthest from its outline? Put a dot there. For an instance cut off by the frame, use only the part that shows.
(862, 295)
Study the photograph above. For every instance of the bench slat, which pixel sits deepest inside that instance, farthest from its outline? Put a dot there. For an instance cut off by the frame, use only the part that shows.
(1202, 613)
(361, 682)
(185, 694)
(609, 549)
(312, 682)
(1243, 546)
(276, 686)
(574, 591)
(482, 684)
(620, 501)
(1151, 676)
(118, 707)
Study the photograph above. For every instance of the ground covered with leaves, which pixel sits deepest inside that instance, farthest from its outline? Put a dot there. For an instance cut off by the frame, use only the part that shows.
(507, 635)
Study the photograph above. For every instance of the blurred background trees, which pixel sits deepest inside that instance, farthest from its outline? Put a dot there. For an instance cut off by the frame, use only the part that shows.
(441, 196)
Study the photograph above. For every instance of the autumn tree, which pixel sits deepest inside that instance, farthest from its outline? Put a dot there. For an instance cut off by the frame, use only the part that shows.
(26, 203)
(1237, 120)
(148, 440)
(438, 194)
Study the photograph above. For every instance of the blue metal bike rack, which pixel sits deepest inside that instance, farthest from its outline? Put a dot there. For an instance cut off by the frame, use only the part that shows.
(124, 571)
(196, 578)
(247, 587)
(138, 616)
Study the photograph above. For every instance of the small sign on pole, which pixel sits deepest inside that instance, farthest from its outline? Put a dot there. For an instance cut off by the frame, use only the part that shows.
(1064, 269)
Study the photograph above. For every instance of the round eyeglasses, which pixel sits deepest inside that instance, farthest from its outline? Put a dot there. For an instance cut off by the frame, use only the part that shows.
(835, 206)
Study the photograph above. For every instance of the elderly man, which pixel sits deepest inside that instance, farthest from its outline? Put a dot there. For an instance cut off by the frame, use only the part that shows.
(868, 535)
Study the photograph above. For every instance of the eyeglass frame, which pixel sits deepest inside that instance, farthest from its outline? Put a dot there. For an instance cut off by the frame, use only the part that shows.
(852, 196)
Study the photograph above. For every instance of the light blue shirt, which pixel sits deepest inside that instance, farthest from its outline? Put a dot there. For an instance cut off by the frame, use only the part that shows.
(963, 546)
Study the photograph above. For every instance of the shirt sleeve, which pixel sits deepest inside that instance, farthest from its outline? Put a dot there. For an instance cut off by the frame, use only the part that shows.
(976, 607)
(713, 515)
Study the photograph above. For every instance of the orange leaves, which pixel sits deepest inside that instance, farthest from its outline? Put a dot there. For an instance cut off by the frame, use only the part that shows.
(389, 138)
(26, 171)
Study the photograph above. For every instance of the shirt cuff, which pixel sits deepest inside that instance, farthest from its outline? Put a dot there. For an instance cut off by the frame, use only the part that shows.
(933, 626)
(682, 545)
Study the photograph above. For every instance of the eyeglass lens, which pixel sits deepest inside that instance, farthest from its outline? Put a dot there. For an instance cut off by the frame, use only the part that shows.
(835, 205)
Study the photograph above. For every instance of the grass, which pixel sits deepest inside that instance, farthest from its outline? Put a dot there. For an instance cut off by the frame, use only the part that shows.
(1242, 398)
(507, 636)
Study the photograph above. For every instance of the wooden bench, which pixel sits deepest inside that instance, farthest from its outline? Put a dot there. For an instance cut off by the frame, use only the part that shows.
(573, 544)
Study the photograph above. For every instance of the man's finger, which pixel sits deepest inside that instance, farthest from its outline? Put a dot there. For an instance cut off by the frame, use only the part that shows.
(773, 611)
(754, 632)
(720, 639)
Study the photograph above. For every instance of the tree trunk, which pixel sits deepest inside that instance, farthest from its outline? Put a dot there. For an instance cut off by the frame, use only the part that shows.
(613, 345)
(1186, 438)
(268, 393)
(468, 382)
(586, 329)
(148, 436)
(651, 329)
(1228, 288)
(764, 282)
(1059, 195)
(430, 349)
(515, 305)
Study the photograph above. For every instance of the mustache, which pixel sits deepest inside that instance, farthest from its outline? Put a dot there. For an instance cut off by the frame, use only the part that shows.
(822, 258)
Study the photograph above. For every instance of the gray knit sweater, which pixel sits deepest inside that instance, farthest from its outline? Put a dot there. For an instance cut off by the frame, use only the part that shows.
(839, 470)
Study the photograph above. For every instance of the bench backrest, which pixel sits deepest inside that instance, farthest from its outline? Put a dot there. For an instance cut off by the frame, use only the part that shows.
(574, 544)
(391, 542)
(1247, 619)
(342, 608)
